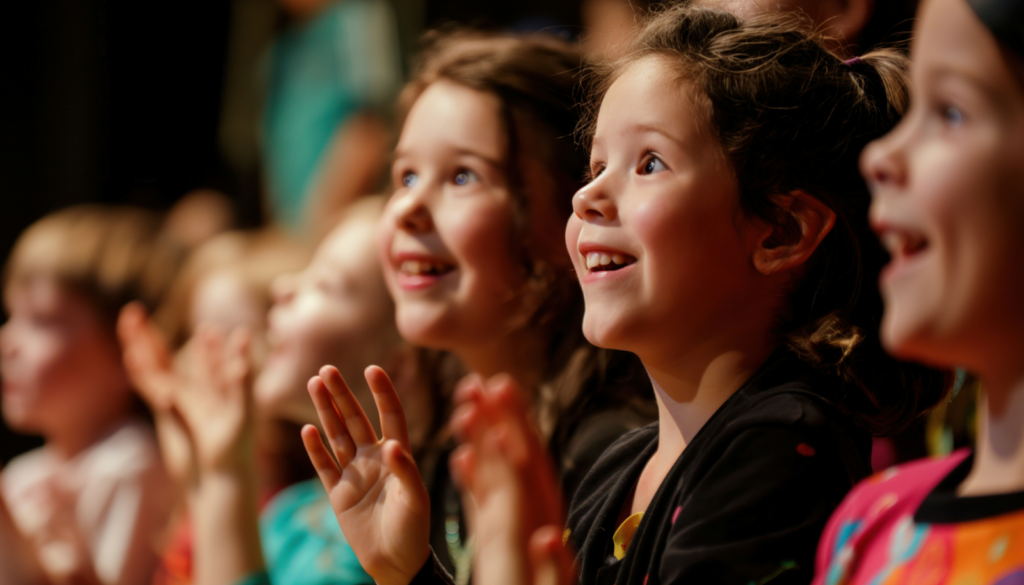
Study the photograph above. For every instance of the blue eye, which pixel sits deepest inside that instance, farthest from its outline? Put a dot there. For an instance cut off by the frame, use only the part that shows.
(654, 165)
(465, 177)
(952, 116)
(409, 179)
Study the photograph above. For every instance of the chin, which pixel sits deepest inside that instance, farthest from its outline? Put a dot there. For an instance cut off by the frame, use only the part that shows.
(417, 328)
(603, 332)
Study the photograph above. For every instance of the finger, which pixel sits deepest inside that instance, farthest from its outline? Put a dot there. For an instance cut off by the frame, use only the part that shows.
(468, 388)
(551, 559)
(334, 427)
(506, 395)
(392, 415)
(467, 422)
(212, 357)
(401, 463)
(325, 467)
(351, 412)
(237, 363)
(461, 464)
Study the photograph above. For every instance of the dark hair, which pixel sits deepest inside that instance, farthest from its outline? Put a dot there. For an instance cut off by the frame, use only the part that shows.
(790, 115)
(536, 81)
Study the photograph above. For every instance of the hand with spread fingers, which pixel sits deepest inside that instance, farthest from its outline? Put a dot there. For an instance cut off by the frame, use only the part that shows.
(214, 399)
(374, 487)
(151, 368)
(504, 471)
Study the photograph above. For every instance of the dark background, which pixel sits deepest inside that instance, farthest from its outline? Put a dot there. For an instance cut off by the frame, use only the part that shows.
(119, 101)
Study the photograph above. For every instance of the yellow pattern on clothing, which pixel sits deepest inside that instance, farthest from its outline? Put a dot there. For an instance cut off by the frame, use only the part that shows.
(624, 535)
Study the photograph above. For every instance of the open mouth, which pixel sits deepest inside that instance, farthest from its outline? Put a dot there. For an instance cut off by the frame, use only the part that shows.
(605, 262)
(903, 244)
(425, 268)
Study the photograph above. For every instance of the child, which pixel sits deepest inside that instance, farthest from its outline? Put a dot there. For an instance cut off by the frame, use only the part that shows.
(93, 500)
(723, 239)
(948, 187)
(337, 310)
(473, 257)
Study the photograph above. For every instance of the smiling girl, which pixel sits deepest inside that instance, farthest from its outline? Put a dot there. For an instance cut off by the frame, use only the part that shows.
(723, 238)
(948, 202)
(472, 252)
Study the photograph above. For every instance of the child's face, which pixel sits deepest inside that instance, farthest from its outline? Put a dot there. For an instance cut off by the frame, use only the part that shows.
(58, 362)
(334, 312)
(445, 237)
(664, 209)
(948, 198)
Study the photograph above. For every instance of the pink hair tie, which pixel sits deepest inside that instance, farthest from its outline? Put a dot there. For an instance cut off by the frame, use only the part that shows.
(852, 62)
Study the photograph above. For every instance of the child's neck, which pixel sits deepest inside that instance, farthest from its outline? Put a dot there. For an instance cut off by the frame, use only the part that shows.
(71, 440)
(999, 455)
(519, 354)
(689, 391)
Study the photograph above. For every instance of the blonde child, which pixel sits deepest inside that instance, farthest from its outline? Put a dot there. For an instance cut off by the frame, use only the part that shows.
(93, 500)
(948, 202)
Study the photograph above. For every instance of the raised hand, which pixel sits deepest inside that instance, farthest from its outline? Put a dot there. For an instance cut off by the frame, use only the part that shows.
(504, 470)
(374, 487)
(149, 364)
(214, 397)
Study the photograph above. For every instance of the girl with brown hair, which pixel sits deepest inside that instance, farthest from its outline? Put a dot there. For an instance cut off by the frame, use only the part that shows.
(724, 239)
(472, 252)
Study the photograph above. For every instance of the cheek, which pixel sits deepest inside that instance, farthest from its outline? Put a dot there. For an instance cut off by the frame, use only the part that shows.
(478, 235)
(572, 238)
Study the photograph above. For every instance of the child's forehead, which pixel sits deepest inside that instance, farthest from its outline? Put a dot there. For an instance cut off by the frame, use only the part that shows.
(952, 42)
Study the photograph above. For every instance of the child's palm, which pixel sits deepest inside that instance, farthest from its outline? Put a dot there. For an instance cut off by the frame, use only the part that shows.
(215, 400)
(376, 493)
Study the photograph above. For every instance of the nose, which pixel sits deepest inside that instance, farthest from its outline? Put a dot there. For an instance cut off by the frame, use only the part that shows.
(592, 202)
(410, 211)
(883, 162)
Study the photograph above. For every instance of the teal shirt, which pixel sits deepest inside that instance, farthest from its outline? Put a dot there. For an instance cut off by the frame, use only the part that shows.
(320, 74)
(302, 543)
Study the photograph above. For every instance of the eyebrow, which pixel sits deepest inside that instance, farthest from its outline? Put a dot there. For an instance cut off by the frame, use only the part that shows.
(946, 72)
(459, 152)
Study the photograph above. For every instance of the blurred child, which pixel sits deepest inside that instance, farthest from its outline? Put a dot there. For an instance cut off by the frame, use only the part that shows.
(92, 501)
(336, 310)
(330, 80)
(948, 202)
(225, 283)
(724, 239)
(473, 257)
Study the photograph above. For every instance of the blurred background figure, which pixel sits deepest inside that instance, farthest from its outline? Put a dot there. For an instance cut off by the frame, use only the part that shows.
(90, 504)
(331, 78)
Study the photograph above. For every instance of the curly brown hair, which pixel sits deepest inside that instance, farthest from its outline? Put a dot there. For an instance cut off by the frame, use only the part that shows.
(792, 116)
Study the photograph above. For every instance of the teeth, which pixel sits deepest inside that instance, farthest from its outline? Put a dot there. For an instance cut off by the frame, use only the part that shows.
(892, 242)
(898, 243)
(418, 267)
(595, 259)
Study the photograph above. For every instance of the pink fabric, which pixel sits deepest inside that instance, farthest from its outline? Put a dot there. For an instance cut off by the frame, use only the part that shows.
(872, 538)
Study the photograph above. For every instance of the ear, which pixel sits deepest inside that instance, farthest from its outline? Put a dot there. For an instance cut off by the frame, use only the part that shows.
(846, 19)
(784, 247)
